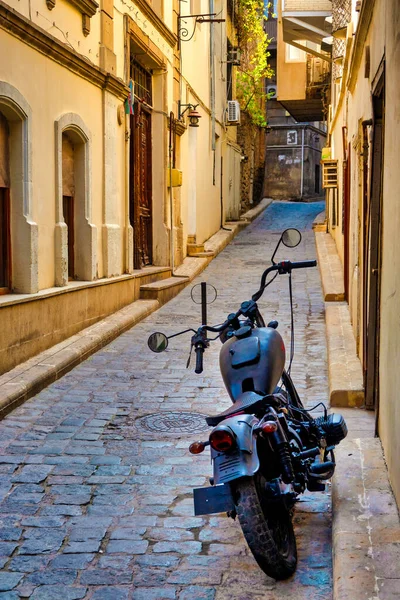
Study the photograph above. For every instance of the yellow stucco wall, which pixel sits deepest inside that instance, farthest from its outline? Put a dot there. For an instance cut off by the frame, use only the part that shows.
(64, 22)
(52, 91)
(389, 417)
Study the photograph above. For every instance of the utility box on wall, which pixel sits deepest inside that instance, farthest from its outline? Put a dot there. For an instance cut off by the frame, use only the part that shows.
(174, 177)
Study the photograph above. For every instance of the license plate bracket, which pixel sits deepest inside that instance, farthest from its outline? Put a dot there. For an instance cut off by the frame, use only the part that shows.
(214, 499)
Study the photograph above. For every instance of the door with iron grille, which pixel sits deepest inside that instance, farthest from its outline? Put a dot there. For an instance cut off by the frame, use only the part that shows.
(141, 168)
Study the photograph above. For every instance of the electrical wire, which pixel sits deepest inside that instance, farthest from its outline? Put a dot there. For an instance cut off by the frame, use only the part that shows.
(307, 410)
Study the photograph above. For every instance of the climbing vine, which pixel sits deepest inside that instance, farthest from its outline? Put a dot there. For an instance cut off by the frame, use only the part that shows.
(253, 43)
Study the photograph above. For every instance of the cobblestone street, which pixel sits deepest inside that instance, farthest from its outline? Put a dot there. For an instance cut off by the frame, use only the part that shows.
(95, 475)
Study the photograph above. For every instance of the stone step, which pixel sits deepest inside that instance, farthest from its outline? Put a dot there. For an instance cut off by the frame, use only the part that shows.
(163, 290)
(346, 385)
(151, 274)
(330, 267)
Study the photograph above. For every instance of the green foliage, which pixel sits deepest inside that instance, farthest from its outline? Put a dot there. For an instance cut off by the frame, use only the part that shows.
(254, 68)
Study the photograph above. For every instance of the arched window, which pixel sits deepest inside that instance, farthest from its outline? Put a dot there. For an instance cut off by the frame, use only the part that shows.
(5, 225)
(76, 236)
(19, 233)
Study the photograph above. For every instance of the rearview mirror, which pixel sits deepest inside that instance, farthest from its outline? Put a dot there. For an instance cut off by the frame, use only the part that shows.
(157, 342)
(291, 238)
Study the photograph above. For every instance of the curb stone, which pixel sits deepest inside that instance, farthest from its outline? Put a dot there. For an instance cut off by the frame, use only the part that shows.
(346, 381)
(28, 378)
(366, 526)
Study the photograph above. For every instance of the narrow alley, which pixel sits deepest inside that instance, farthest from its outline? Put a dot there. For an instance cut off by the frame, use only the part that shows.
(95, 475)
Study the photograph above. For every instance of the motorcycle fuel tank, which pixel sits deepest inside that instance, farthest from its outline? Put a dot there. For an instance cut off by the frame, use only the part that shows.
(252, 360)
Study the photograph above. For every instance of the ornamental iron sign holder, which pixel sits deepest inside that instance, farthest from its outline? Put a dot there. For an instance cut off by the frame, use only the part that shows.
(183, 31)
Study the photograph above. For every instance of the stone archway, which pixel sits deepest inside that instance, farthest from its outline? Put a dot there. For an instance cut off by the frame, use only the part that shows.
(24, 233)
(72, 128)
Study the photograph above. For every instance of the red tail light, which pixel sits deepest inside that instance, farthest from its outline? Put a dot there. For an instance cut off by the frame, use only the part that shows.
(196, 447)
(269, 427)
(222, 440)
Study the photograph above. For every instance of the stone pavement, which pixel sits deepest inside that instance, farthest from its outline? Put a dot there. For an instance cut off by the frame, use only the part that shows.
(95, 476)
(366, 526)
(30, 377)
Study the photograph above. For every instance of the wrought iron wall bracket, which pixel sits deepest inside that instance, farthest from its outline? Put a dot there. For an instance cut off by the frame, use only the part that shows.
(183, 31)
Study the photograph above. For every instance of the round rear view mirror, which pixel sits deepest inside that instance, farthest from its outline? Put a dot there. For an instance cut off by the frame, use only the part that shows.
(291, 238)
(157, 342)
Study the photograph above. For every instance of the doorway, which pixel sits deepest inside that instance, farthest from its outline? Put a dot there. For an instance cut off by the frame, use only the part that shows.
(5, 221)
(68, 205)
(140, 206)
(68, 214)
(373, 241)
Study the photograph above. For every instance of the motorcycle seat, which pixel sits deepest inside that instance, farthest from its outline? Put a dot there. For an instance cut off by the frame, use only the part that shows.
(248, 402)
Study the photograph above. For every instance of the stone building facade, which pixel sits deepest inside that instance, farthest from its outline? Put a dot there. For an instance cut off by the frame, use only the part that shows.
(105, 183)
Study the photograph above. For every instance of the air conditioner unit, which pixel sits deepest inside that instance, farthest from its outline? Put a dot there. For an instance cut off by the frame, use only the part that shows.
(234, 56)
(272, 92)
(233, 112)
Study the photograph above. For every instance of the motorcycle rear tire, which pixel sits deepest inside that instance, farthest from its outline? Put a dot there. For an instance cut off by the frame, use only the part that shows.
(270, 536)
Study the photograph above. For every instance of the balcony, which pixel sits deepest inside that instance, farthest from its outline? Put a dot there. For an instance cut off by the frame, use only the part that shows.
(302, 21)
(305, 27)
(316, 93)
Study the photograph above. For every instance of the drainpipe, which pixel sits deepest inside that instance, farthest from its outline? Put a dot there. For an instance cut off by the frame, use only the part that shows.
(127, 124)
(192, 183)
(302, 165)
(171, 198)
(212, 73)
(128, 227)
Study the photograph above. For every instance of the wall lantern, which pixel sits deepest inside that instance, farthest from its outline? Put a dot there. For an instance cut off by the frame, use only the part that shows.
(193, 115)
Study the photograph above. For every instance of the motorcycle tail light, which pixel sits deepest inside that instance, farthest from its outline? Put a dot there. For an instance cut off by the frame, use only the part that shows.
(269, 427)
(221, 440)
(196, 447)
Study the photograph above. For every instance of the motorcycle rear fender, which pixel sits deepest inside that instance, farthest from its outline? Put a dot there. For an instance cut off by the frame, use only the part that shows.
(243, 460)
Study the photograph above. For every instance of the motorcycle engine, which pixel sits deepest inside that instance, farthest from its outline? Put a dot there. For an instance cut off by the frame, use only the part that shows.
(333, 428)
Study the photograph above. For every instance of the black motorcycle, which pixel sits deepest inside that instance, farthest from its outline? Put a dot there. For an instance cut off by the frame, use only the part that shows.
(266, 449)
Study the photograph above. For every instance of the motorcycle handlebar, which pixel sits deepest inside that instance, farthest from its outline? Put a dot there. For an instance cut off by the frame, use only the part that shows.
(199, 359)
(304, 264)
(286, 266)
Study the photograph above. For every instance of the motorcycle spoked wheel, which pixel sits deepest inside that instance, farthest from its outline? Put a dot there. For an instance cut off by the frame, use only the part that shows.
(268, 532)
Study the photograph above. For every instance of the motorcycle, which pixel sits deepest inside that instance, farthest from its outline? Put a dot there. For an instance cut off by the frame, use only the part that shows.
(266, 448)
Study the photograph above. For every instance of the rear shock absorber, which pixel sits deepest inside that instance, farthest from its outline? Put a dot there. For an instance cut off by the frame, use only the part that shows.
(285, 460)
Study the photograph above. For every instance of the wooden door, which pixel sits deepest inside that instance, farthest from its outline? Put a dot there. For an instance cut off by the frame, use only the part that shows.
(373, 267)
(68, 211)
(5, 224)
(5, 241)
(141, 186)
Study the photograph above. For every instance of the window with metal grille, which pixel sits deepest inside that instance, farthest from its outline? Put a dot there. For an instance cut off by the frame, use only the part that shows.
(142, 82)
